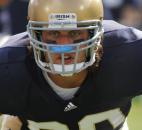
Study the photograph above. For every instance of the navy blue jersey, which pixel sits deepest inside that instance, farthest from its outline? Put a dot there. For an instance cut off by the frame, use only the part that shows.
(102, 102)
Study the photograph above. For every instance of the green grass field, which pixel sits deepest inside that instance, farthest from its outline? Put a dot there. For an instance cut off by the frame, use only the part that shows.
(135, 116)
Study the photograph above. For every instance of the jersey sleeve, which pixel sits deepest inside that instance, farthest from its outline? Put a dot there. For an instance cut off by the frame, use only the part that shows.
(14, 80)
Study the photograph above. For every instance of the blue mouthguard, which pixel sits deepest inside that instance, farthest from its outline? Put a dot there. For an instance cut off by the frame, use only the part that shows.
(61, 49)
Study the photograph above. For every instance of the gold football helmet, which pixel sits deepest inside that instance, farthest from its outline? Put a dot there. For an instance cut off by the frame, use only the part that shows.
(66, 15)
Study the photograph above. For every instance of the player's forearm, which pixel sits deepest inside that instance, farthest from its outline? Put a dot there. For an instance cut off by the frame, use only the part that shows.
(11, 123)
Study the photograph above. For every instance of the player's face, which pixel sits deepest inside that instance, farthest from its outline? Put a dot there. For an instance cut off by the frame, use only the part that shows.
(64, 38)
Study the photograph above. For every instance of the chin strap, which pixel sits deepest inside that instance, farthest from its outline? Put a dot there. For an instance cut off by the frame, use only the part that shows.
(64, 70)
(59, 67)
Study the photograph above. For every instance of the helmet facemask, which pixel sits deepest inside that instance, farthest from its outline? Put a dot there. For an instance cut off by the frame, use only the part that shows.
(43, 51)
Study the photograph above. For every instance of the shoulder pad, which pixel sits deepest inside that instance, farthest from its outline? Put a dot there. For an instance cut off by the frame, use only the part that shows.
(121, 64)
(12, 54)
(117, 34)
(14, 79)
(17, 40)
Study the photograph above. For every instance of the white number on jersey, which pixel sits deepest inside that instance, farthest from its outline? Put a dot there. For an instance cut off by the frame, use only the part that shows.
(115, 118)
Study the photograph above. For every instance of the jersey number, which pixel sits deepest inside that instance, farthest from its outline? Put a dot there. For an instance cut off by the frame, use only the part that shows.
(115, 118)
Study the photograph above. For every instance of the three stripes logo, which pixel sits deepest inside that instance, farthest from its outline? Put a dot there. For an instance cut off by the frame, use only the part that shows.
(70, 107)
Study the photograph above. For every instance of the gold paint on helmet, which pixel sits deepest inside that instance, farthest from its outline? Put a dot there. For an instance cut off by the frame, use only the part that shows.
(39, 10)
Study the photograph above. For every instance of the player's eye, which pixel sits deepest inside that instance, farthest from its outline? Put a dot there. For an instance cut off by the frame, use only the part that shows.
(50, 41)
(53, 34)
(75, 34)
(79, 40)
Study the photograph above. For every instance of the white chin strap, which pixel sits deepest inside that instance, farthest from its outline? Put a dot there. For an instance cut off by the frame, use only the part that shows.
(67, 68)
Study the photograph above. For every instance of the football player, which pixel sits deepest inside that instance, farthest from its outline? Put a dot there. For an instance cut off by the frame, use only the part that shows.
(80, 72)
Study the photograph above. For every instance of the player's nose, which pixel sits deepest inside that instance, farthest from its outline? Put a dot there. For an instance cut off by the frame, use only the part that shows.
(64, 39)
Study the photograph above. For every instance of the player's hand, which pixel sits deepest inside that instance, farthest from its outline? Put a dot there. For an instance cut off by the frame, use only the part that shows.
(11, 123)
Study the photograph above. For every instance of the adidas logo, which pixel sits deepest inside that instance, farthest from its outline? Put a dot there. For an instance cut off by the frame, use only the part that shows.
(70, 107)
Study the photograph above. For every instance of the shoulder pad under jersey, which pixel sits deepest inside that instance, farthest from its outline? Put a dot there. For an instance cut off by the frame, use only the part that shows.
(17, 40)
(121, 65)
(14, 79)
(117, 34)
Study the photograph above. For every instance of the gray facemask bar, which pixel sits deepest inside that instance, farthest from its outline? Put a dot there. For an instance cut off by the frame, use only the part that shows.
(39, 47)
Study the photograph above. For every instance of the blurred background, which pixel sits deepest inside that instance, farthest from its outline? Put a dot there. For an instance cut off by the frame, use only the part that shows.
(13, 20)
(127, 12)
